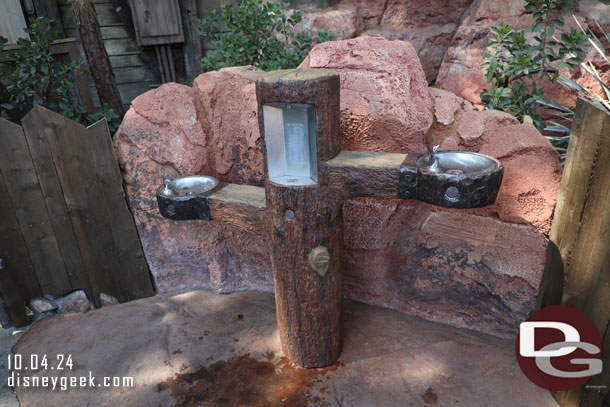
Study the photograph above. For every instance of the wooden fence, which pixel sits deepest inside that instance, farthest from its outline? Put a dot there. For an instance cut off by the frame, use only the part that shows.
(578, 258)
(65, 224)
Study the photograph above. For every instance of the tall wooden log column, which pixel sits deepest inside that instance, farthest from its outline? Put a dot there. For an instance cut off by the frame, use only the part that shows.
(305, 226)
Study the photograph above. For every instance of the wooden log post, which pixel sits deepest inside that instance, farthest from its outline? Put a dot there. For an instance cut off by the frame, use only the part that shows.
(577, 269)
(97, 57)
(304, 223)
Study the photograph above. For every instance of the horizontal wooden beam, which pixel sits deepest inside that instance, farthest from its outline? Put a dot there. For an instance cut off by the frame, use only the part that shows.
(363, 173)
(357, 173)
(242, 206)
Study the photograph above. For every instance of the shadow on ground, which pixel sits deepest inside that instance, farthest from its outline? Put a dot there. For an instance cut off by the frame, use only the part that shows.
(203, 349)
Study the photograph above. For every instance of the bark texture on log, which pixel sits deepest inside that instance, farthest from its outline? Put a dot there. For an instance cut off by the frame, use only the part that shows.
(242, 206)
(580, 237)
(361, 173)
(305, 226)
(97, 57)
(308, 302)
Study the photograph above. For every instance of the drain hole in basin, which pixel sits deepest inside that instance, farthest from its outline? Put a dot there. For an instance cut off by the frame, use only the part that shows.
(452, 194)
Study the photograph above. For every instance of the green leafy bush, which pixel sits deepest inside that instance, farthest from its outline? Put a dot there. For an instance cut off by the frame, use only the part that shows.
(517, 61)
(560, 132)
(258, 33)
(31, 78)
(602, 101)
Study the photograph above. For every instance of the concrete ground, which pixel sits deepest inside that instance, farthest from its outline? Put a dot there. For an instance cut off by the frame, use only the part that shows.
(8, 338)
(202, 349)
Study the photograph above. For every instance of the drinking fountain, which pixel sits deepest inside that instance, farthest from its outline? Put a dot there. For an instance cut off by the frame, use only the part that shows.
(307, 179)
(452, 179)
(185, 198)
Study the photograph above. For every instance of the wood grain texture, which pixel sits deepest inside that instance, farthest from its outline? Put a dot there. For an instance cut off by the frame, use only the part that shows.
(134, 269)
(242, 206)
(581, 232)
(49, 9)
(18, 279)
(585, 187)
(12, 21)
(31, 210)
(308, 305)
(157, 21)
(85, 202)
(193, 51)
(364, 173)
(308, 302)
(54, 199)
(97, 57)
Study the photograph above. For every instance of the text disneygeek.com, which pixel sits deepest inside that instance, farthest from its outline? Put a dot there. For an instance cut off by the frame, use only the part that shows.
(34, 365)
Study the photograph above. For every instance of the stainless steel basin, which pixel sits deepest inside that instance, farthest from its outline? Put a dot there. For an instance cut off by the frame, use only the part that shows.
(458, 162)
(186, 198)
(452, 179)
(191, 185)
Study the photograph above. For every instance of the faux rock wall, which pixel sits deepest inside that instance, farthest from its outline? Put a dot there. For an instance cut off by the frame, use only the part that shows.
(477, 269)
(450, 36)
(460, 71)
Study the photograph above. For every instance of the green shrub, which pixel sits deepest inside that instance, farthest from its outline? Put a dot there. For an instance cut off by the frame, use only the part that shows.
(517, 61)
(560, 133)
(31, 78)
(258, 33)
(602, 101)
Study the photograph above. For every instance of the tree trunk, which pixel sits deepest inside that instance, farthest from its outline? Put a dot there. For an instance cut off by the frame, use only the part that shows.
(97, 58)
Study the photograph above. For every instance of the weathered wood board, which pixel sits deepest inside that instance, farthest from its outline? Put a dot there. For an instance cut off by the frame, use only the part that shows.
(54, 200)
(134, 269)
(65, 223)
(133, 73)
(18, 280)
(31, 210)
(580, 241)
(157, 21)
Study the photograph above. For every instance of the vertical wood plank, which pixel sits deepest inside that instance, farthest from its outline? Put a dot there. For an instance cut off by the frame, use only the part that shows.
(595, 301)
(49, 9)
(51, 189)
(84, 199)
(587, 182)
(134, 269)
(581, 232)
(12, 21)
(18, 281)
(29, 205)
(193, 51)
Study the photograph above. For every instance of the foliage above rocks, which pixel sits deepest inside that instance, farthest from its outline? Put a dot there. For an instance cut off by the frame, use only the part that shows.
(259, 33)
(516, 61)
(32, 77)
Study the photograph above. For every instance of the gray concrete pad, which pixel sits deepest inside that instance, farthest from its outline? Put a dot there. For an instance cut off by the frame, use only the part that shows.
(8, 338)
(202, 349)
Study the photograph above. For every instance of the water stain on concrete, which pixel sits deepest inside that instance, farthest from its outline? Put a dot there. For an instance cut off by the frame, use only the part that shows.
(245, 381)
(430, 396)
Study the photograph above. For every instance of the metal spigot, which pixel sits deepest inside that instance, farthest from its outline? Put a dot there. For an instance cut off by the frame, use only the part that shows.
(167, 190)
(433, 161)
